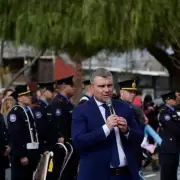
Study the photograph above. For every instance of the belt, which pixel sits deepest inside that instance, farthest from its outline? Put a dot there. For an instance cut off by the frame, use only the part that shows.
(119, 171)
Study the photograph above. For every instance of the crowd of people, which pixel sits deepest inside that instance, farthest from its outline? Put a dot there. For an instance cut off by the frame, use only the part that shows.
(113, 135)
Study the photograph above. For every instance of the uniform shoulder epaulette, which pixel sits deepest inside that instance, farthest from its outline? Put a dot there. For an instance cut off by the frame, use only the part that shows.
(130, 106)
(162, 109)
(59, 100)
(15, 108)
(37, 105)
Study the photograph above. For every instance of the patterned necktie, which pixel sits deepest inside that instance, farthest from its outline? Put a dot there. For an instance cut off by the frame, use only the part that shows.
(115, 162)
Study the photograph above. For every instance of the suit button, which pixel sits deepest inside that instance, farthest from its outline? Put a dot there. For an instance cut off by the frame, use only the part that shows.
(170, 139)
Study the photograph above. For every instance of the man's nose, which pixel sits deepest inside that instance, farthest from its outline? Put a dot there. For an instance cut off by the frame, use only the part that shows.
(106, 89)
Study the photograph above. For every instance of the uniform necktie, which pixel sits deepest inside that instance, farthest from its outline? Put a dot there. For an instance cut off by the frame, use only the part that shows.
(115, 162)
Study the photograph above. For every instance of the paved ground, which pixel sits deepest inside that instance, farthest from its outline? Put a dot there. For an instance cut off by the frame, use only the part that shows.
(148, 174)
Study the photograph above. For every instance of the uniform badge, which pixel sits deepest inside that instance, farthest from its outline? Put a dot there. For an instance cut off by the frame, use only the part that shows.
(130, 106)
(134, 84)
(167, 117)
(38, 115)
(12, 117)
(58, 112)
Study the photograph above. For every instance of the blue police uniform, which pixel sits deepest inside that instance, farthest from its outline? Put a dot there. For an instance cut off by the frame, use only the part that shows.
(170, 134)
(22, 130)
(4, 161)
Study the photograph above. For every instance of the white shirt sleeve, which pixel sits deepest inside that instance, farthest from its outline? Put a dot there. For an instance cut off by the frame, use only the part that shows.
(127, 135)
(106, 130)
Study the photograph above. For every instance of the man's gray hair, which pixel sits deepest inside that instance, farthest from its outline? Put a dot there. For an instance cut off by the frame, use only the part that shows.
(101, 72)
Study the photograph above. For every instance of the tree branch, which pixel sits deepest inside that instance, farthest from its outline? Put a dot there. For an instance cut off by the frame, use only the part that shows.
(162, 57)
(25, 68)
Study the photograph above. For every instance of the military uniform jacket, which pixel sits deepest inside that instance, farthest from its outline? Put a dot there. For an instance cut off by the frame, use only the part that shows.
(3, 135)
(4, 162)
(85, 98)
(170, 131)
(46, 126)
(19, 133)
(62, 111)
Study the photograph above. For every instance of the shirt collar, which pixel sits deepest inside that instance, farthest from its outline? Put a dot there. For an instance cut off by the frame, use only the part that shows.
(67, 99)
(45, 102)
(98, 102)
(26, 108)
(89, 97)
(170, 107)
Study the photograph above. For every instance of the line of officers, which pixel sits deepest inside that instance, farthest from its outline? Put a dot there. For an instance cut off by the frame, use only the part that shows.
(34, 131)
(49, 122)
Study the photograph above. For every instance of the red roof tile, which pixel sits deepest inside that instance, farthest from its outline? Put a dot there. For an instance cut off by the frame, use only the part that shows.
(62, 69)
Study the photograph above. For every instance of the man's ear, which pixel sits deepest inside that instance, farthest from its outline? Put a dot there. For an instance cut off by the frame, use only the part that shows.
(19, 98)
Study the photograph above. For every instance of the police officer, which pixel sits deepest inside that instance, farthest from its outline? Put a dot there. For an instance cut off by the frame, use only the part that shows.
(44, 120)
(4, 148)
(46, 125)
(127, 91)
(88, 91)
(170, 133)
(23, 136)
(62, 111)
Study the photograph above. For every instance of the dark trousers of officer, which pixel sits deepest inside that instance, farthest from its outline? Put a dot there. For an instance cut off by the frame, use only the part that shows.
(4, 164)
(2, 173)
(20, 172)
(169, 164)
(70, 172)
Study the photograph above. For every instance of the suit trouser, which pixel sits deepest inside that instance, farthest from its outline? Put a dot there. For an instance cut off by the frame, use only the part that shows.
(178, 171)
(169, 164)
(20, 172)
(122, 177)
(2, 173)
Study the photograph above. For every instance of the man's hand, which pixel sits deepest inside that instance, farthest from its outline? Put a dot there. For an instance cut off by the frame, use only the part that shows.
(122, 124)
(8, 149)
(150, 108)
(24, 161)
(112, 122)
(61, 140)
(45, 153)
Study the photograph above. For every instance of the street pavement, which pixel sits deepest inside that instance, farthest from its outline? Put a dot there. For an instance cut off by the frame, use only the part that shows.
(148, 174)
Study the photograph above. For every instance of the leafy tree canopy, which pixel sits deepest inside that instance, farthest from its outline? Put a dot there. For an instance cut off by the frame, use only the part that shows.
(90, 25)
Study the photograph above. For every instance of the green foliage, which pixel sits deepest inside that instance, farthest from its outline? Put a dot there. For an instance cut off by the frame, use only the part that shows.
(90, 25)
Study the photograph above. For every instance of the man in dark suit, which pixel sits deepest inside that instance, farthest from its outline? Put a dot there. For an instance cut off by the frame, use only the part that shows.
(104, 140)
(127, 90)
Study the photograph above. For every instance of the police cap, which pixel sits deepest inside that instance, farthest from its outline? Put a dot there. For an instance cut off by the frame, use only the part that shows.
(66, 81)
(168, 96)
(129, 85)
(20, 90)
(46, 86)
(86, 82)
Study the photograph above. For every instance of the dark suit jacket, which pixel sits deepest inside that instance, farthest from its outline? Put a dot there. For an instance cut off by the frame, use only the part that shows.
(89, 138)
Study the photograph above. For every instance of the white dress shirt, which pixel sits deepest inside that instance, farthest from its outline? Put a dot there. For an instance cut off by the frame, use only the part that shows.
(122, 157)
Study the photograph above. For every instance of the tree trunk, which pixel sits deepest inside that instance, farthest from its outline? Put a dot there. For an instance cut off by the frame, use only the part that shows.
(167, 61)
(1, 62)
(25, 68)
(78, 58)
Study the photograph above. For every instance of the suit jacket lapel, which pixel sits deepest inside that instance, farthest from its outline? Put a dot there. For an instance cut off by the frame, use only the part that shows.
(96, 112)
